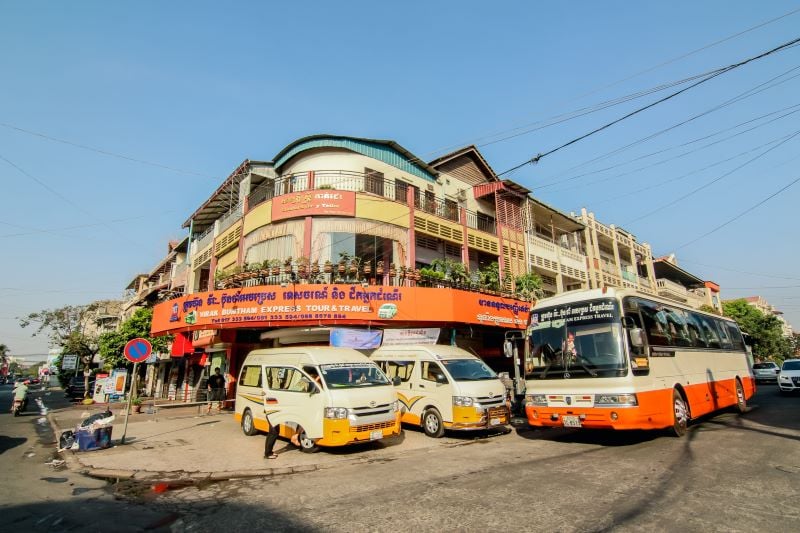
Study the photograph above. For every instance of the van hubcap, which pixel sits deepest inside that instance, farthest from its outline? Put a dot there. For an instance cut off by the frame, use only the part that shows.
(431, 423)
(248, 422)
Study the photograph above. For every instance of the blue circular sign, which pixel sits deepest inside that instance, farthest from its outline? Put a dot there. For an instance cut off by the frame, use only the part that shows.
(138, 350)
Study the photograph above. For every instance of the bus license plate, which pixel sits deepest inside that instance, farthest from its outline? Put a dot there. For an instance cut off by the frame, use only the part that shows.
(375, 435)
(571, 421)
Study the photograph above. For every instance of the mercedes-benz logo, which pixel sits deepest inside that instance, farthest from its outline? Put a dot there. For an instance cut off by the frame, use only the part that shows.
(491, 395)
(566, 375)
(372, 404)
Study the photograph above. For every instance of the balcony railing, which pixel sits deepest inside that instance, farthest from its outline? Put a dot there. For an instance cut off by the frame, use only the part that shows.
(371, 183)
(231, 217)
(204, 239)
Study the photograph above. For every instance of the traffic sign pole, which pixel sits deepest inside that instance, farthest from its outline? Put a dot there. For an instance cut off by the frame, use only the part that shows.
(130, 398)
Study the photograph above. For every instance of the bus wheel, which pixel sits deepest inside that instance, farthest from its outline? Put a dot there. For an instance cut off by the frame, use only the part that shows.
(680, 414)
(248, 427)
(432, 423)
(741, 401)
(307, 445)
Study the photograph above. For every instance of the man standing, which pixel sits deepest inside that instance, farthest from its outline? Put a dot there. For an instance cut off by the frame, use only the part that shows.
(216, 390)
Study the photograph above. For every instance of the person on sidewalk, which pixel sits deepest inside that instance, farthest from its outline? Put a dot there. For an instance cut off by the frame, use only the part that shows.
(216, 390)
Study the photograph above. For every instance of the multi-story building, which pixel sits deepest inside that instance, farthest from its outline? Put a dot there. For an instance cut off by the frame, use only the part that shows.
(677, 284)
(335, 231)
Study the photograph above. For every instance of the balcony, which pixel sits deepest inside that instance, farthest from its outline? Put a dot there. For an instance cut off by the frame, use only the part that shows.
(371, 183)
(674, 291)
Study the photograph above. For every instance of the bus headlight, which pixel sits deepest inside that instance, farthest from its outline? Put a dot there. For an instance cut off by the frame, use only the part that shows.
(396, 405)
(536, 399)
(336, 412)
(615, 400)
(462, 401)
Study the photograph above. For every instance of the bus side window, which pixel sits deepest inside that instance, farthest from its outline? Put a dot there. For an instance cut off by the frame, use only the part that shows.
(637, 322)
(695, 335)
(725, 339)
(708, 327)
(655, 324)
(736, 337)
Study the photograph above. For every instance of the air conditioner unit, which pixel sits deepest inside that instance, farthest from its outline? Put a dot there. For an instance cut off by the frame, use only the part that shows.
(462, 195)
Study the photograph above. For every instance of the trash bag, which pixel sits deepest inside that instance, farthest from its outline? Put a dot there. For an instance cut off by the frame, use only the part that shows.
(66, 440)
(97, 417)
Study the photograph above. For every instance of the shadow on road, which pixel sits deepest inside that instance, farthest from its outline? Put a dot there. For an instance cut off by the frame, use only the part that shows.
(599, 437)
(9, 443)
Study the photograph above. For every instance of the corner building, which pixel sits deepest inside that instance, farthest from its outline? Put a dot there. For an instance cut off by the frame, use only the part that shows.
(342, 232)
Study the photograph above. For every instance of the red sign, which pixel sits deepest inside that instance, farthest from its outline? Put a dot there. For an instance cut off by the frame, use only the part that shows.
(314, 202)
(137, 350)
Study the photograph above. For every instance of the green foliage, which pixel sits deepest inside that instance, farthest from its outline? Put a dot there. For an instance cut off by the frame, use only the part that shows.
(113, 343)
(709, 309)
(528, 286)
(489, 276)
(449, 269)
(768, 339)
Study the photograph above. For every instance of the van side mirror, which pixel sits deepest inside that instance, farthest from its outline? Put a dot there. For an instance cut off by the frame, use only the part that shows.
(440, 378)
(396, 381)
(508, 349)
(636, 337)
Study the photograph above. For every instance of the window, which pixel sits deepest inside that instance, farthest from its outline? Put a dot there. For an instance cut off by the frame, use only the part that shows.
(655, 324)
(398, 369)
(430, 371)
(708, 327)
(676, 322)
(736, 336)
(286, 379)
(401, 191)
(725, 339)
(250, 376)
(373, 181)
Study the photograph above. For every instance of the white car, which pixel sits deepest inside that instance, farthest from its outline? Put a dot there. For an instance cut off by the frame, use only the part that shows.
(789, 378)
(766, 371)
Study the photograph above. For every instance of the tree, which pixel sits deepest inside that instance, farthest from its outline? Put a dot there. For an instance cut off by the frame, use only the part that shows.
(528, 286)
(69, 328)
(766, 331)
(113, 343)
(3, 355)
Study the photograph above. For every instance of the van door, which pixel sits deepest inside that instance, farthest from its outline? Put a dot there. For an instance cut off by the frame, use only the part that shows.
(250, 400)
(289, 402)
(433, 382)
(410, 403)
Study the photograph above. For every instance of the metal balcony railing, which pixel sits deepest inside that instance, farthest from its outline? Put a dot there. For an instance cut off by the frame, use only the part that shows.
(231, 217)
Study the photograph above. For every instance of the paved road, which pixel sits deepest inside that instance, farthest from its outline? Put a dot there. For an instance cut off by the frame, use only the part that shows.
(35, 496)
(730, 473)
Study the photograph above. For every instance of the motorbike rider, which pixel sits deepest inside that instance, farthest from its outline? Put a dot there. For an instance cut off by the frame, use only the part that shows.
(21, 394)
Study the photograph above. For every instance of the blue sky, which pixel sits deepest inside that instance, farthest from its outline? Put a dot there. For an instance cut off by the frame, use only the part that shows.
(199, 87)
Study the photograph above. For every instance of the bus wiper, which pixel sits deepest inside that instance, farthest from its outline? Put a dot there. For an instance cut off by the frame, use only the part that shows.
(579, 360)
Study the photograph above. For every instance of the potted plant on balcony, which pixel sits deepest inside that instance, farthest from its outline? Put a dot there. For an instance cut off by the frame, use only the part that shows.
(489, 277)
(315, 268)
(328, 267)
(528, 287)
(342, 268)
(368, 268)
(392, 270)
(302, 267)
(379, 268)
(355, 262)
(274, 267)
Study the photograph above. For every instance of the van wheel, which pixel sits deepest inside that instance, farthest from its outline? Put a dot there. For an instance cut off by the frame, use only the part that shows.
(248, 427)
(432, 423)
(307, 445)
(680, 414)
(741, 401)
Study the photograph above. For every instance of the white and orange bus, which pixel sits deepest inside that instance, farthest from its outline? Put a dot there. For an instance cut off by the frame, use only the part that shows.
(617, 358)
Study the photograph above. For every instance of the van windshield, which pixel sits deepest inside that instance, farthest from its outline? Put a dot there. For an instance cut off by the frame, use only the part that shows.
(468, 370)
(351, 375)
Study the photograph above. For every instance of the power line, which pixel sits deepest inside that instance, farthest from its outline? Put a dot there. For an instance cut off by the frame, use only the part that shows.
(737, 217)
(715, 180)
(478, 140)
(711, 76)
(739, 271)
(104, 152)
(761, 87)
(684, 154)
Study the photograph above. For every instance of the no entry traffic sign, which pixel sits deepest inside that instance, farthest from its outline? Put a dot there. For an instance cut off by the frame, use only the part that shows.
(137, 350)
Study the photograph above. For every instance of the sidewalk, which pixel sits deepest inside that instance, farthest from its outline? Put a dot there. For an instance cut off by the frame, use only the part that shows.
(180, 443)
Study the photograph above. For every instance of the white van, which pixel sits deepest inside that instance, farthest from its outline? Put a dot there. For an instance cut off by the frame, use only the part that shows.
(444, 387)
(330, 396)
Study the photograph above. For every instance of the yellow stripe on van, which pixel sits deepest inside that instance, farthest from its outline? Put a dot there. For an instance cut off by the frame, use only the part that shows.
(408, 402)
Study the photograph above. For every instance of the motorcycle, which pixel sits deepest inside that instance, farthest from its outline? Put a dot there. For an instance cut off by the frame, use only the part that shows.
(18, 406)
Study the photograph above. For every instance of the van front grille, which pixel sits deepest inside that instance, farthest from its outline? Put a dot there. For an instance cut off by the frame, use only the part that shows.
(371, 427)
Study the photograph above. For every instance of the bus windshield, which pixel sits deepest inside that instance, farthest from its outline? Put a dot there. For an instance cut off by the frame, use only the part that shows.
(576, 340)
(350, 375)
(468, 369)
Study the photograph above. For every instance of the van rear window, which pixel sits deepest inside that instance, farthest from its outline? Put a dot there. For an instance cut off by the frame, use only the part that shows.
(250, 376)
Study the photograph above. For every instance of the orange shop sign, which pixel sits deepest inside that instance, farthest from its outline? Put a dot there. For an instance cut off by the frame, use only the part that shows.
(314, 202)
(264, 306)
